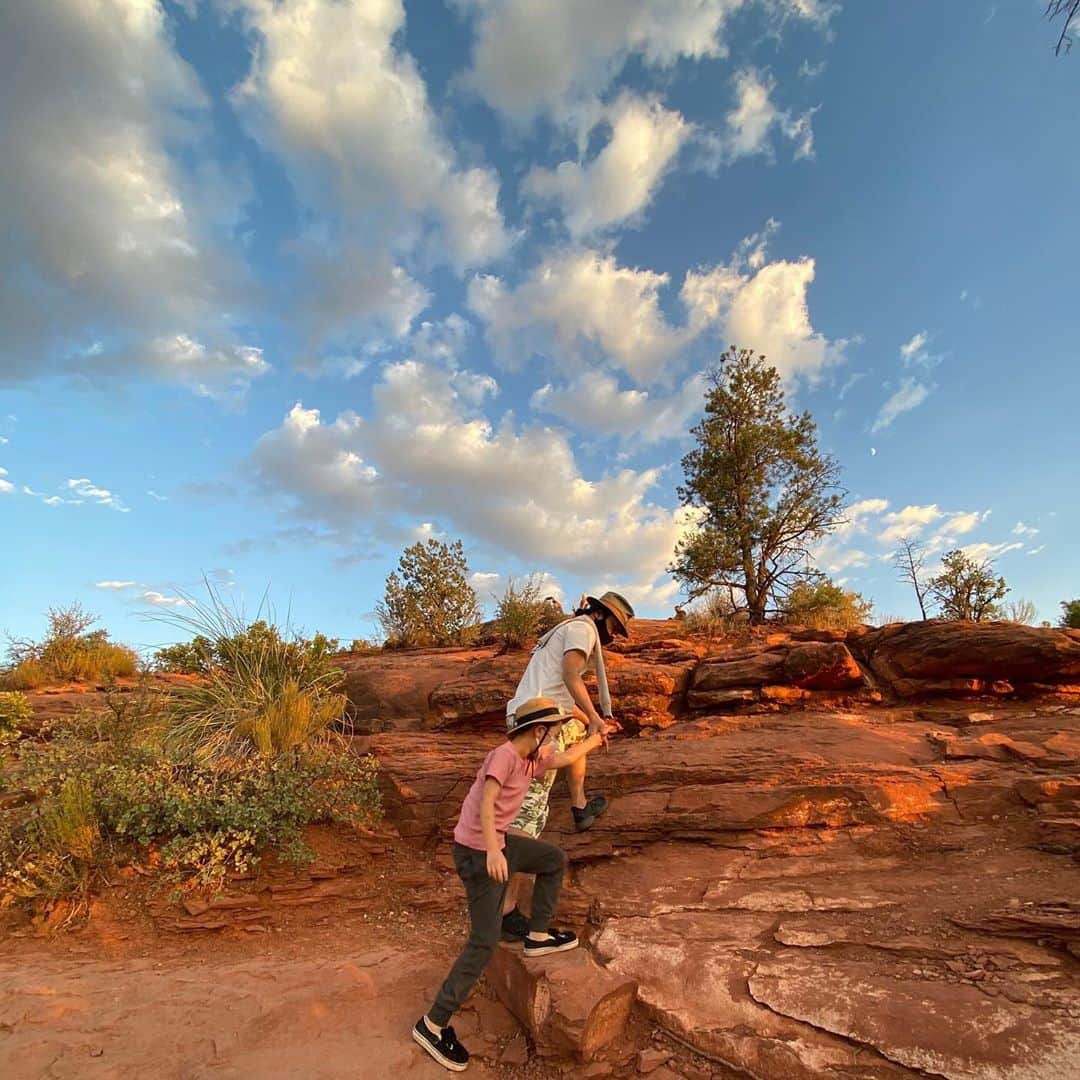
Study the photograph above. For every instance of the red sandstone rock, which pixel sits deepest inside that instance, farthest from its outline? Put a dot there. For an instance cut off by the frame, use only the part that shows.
(567, 1003)
(944, 653)
(822, 667)
(747, 671)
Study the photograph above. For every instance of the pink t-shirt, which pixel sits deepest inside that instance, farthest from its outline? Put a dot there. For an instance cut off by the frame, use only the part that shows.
(514, 773)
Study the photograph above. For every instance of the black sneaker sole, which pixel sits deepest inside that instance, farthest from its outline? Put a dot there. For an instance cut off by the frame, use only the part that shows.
(547, 950)
(445, 1062)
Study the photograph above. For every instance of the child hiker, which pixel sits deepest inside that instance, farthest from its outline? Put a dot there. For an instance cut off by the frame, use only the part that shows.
(485, 857)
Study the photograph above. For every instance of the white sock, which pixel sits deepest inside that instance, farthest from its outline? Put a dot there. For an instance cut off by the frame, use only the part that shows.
(431, 1027)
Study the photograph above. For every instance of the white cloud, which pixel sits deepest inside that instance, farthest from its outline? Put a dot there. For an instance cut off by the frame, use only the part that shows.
(108, 238)
(620, 181)
(908, 522)
(750, 124)
(115, 585)
(595, 403)
(335, 94)
(6, 486)
(1020, 529)
(224, 374)
(156, 497)
(577, 301)
(578, 306)
(909, 395)
(910, 349)
(1037, 550)
(83, 490)
(984, 550)
(533, 57)
(152, 596)
(428, 454)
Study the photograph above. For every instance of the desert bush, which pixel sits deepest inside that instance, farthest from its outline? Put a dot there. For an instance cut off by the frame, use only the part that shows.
(717, 615)
(522, 615)
(1070, 614)
(1022, 611)
(364, 647)
(14, 709)
(824, 605)
(264, 691)
(428, 599)
(107, 794)
(193, 657)
(69, 652)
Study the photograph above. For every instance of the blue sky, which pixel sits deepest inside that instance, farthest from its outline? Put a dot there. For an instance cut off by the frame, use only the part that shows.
(286, 286)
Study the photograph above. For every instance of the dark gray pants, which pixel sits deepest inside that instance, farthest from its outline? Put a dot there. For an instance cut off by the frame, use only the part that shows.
(524, 855)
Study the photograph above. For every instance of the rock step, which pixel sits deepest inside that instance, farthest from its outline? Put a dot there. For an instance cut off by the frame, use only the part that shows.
(567, 1002)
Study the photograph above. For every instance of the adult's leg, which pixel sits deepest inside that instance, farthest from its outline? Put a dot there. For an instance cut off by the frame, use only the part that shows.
(548, 863)
(485, 916)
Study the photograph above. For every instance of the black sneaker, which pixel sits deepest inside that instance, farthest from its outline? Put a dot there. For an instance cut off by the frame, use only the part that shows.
(556, 941)
(585, 816)
(444, 1047)
(515, 927)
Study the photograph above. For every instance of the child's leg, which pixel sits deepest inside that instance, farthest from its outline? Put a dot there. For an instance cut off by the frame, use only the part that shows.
(548, 863)
(485, 914)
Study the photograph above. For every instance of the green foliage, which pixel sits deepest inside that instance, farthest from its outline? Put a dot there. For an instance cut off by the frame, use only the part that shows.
(522, 614)
(14, 710)
(966, 588)
(263, 692)
(194, 657)
(759, 488)
(69, 652)
(824, 605)
(1070, 614)
(363, 647)
(106, 794)
(428, 599)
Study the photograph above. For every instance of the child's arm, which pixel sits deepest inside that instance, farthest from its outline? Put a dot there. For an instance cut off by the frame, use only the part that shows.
(496, 860)
(575, 752)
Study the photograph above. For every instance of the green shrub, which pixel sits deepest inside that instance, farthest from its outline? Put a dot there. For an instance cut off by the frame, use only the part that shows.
(263, 692)
(428, 599)
(363, 647)
(14, 710)
(106, 794)
(522, 615)
(824, 605)
(1070, 614)
(193, 657)
(69, 652)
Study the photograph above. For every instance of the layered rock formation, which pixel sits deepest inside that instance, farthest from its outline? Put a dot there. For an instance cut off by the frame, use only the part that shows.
(824, 886)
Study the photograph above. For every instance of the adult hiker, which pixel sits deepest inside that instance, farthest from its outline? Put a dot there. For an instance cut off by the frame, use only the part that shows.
(485, 855)
(556, 670)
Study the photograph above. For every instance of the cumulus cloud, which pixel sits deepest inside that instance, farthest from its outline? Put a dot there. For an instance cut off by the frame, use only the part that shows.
(617, 184)
(983, 550)
(575, 305)
(911, 521)
(750, 124)
(6, 486)
(1020, 529)
(595, 403)
(531, 58)
(580, 305)
(429, 454)
(333, 92)
(109, 240)
(158, 599)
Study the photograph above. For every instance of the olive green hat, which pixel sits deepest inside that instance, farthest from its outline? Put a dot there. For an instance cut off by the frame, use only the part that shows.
(617, 606)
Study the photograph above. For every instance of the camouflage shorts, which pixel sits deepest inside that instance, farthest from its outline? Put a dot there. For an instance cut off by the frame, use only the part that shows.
(533, 815)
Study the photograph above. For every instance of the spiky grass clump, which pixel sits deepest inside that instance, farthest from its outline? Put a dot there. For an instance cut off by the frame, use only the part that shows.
(265, 691)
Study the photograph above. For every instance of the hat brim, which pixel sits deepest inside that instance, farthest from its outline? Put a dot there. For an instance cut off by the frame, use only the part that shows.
(623, 631)
(548, 721)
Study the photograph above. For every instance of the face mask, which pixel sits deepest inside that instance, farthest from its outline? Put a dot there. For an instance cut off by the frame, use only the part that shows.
(602, 629)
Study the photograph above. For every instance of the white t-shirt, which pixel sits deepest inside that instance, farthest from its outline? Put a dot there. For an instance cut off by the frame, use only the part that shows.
(543, 677)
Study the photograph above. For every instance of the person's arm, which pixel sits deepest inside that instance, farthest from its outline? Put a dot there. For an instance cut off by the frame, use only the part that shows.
(573, 668)
(561, 759)
(496, 860)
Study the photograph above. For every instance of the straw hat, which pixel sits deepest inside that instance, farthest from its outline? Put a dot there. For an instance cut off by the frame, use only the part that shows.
(617, 606)
(537, 710)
